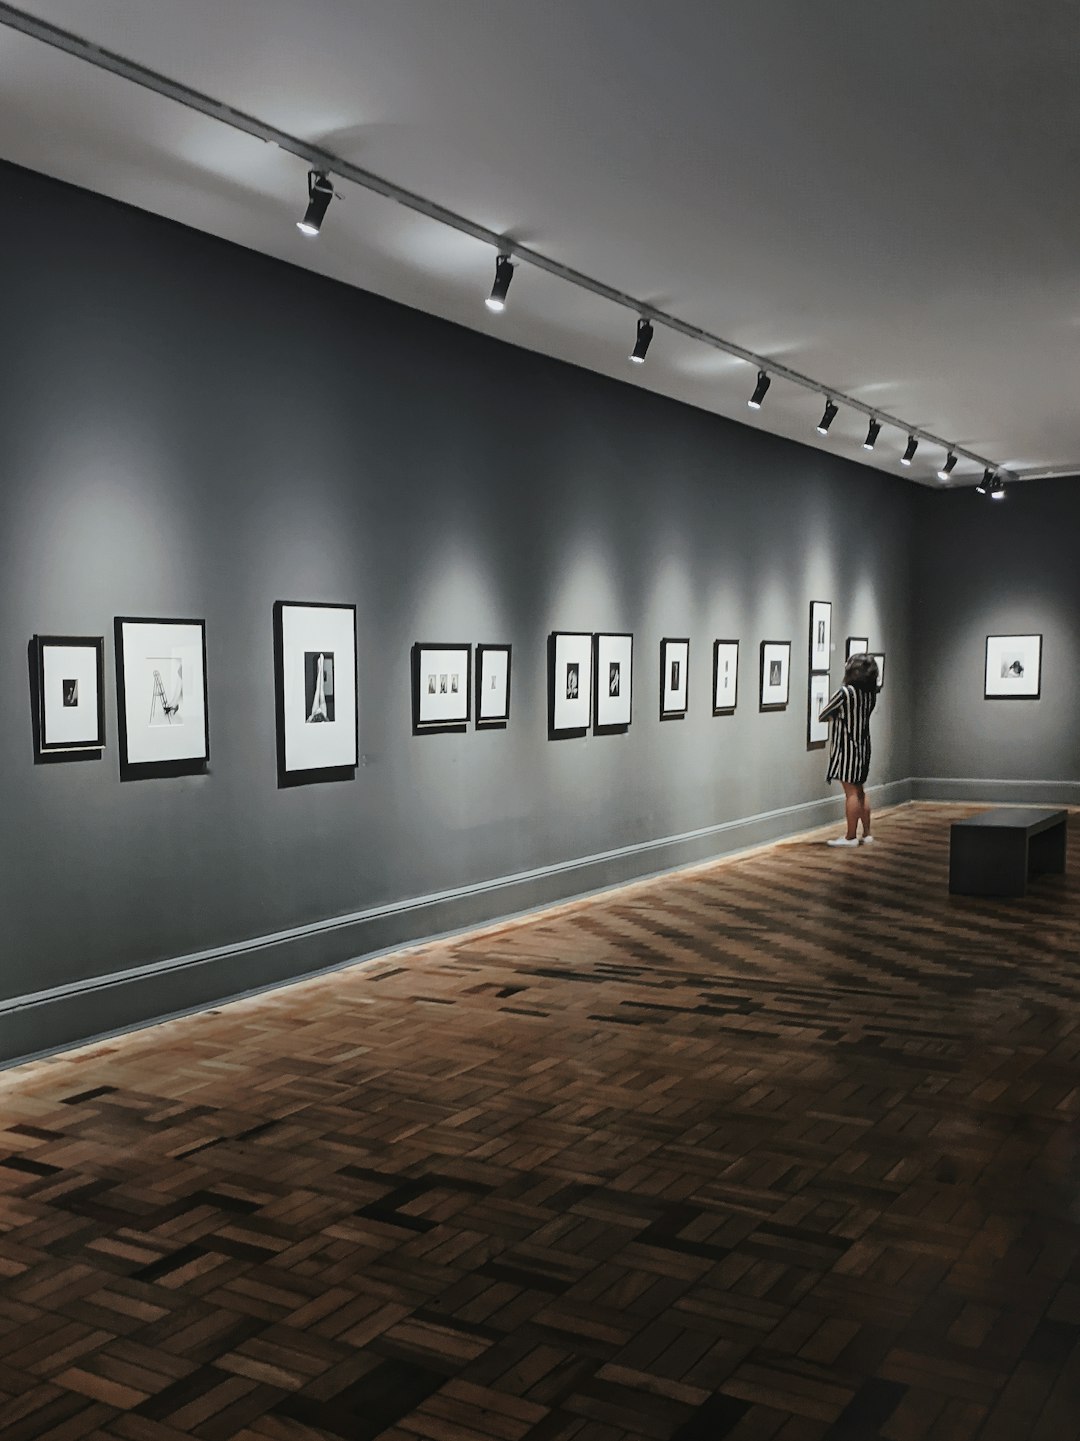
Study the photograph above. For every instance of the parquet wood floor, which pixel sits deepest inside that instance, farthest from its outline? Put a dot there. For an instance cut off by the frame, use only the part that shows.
(785, 1149)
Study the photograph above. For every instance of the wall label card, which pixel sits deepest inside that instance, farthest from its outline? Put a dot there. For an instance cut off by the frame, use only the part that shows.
(70, 677)
(1013, 667)
(315, 651)
(613, 681)
(161, 692)
(725, 676)
(674, 678)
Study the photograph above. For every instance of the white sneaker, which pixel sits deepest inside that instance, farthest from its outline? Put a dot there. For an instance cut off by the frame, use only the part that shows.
(843, 841)
(866, 840)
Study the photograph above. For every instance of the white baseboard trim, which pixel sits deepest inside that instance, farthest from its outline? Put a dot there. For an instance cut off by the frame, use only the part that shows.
(997, 792)
(43, 1022)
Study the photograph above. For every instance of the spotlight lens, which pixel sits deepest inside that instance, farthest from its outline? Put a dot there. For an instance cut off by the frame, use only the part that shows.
(638, 359)
(904, 460)
(306, 228)
(494, 304)
(754, 404)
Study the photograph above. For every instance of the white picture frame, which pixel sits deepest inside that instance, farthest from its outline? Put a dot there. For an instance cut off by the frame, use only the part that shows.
(725, 676)
(162, 700)
(613, 681)
(820, 635)
(571, 681)
(442, 686)
(775, 675)
(674, 677)
(315, 650)
(1013, 667)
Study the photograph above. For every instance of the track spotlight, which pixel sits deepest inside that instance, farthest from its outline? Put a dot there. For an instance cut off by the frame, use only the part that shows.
(827, 418)
(909, 454)
(983, 487)
(320, 191)
(644, 340)
(763, 383)
(947, 469)
(997, 488)
(873, 430)
(504, 273)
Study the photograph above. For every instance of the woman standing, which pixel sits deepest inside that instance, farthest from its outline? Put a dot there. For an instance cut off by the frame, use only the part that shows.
(849, 711)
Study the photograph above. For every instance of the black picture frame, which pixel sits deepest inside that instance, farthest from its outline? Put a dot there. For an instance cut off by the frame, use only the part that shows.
(666, 661)
(339, 770)
(499, 722)
(989, 694)
(449, 724)
(581, 726)
(724, 709)
(856, 645)
(817, 663)
(879, 657)
(130, 768)
(58, 749)
(763, 705)
(601, 726)
(820, 742)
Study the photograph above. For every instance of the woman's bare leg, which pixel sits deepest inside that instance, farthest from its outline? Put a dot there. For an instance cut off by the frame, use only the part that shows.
(864, 811)
(853, 808)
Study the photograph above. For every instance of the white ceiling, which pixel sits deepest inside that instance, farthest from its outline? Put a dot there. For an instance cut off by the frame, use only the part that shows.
(883, 197)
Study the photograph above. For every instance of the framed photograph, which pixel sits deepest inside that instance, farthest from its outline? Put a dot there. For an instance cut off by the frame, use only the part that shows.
(725, 676)
(674, 678)
(817, 730)
(442, 686)
(70, 677)
(571, 680)
(161, 692)
(492, 685)
(775, 674)
(315, 651)
(879, 656)
(1013, 667)
(820, 635)
(613, 681)
(856, 645)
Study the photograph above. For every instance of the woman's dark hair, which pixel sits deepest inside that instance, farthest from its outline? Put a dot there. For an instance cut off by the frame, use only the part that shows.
(861, 671)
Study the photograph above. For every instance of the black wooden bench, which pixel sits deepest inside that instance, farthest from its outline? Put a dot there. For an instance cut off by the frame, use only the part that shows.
(991, 854)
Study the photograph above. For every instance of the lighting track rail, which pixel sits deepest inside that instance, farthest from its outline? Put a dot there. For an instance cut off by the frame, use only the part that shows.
(324, 161)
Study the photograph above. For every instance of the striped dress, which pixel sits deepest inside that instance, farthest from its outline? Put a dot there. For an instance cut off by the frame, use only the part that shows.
(849, 711)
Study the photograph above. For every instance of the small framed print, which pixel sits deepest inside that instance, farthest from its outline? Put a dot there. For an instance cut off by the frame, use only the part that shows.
(817, 730)
(442, 687)
(775, 674)
(161, 693)
(70, 680)
(492, 685)
(613, 681)
(315, 655)
(674, 678)
(879, 657)
(725, 670)
(856, 645)
(820, 635)
(571, 681)
(1013, 667)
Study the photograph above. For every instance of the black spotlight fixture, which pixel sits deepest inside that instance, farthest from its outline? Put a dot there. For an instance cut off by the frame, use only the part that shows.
(320, 191)
(873, 430)
(644, 340)
(504, 273)
(909, 454)
(827, 418)
(983, 487)
(947, 469)
(760, 391)
(997, 488)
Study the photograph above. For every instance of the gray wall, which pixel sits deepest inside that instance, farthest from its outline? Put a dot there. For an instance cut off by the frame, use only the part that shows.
(988, 568)
(188, 429)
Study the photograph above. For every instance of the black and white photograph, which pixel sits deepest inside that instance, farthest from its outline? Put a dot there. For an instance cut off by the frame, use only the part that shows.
(1013, 667)
(449, 705)
(69, 677)
(492, 685)
(725, 676)
(613, 687)
(820, 635)
(856, 645)
(817, 730)
(570, 689)
(775, 674)
(315, 653)
(161, 692)
(674, 677)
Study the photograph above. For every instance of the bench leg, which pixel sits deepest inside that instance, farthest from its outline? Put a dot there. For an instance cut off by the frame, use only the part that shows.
(1046, 851)
(988, 862)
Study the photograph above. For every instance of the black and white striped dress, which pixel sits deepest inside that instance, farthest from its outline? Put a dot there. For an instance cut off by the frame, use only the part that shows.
(849, 711)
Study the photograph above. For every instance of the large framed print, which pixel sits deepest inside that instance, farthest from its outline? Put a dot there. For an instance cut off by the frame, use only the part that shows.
(856, 645)
(775, 674)
(1013, 667)
(492, 685)
(613, 681)
(571, 681)
(442, 686)
(315, 655)
(725, 671)
(69, 672)
(820, 635)
(161, 692)
(879, 657)
(817, 730)
(674, 678)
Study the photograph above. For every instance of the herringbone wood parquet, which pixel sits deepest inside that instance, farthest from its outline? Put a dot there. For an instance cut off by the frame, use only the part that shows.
(781, 1150)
